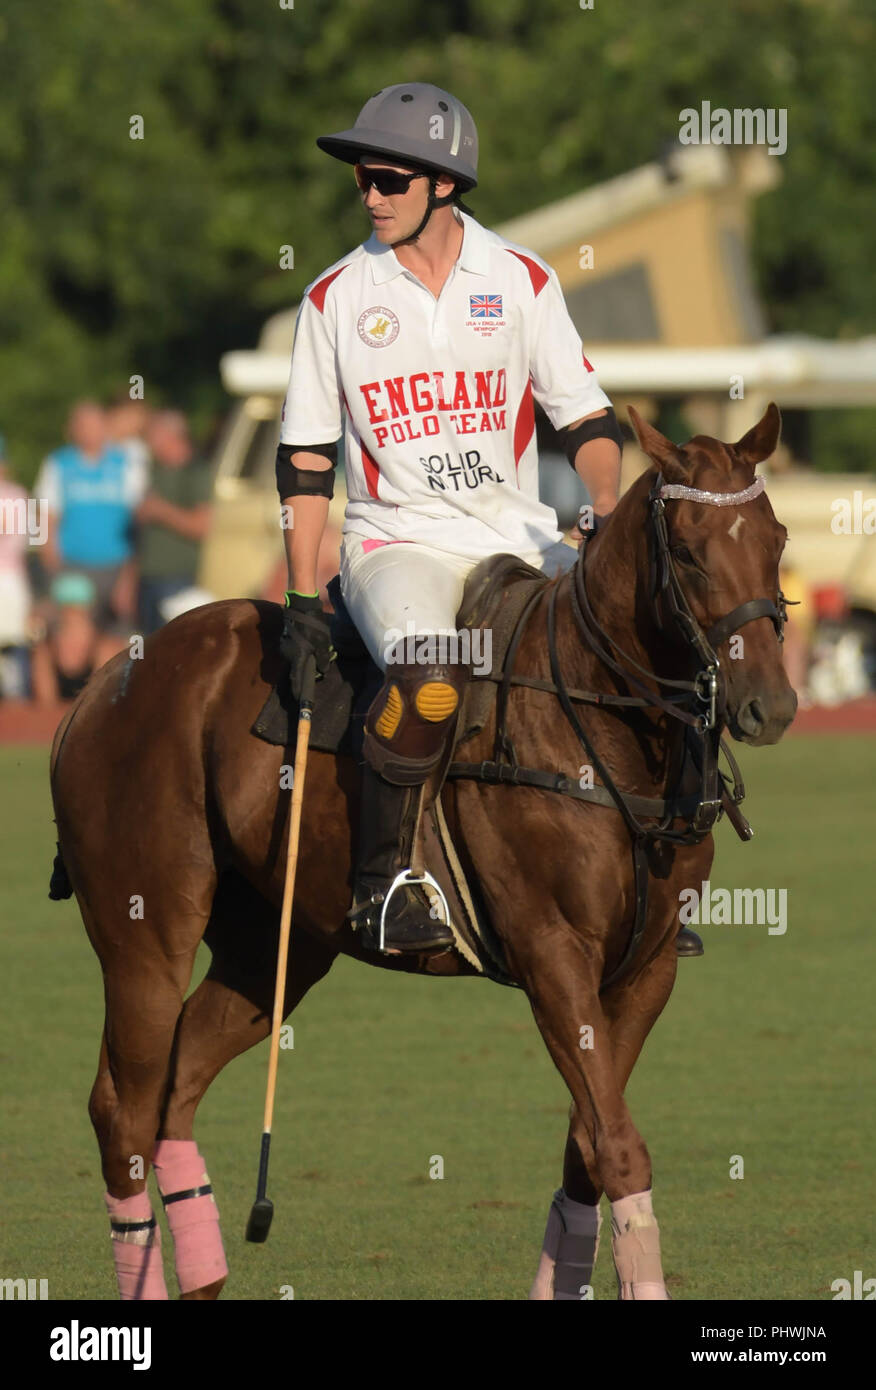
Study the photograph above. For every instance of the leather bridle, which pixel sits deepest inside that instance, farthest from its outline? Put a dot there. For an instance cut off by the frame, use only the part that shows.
(706, 688)
(666, 586)
(698, 703)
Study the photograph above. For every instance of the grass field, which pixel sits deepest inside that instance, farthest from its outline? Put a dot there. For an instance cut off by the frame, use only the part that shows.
(765, 1051)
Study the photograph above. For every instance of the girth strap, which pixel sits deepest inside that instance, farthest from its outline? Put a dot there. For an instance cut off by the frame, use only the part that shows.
(640, 870)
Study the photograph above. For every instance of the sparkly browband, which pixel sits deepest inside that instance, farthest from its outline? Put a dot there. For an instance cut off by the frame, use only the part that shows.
(717, 499)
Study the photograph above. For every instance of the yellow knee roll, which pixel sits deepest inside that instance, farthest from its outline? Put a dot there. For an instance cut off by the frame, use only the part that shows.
(390, 715)
(436, 701)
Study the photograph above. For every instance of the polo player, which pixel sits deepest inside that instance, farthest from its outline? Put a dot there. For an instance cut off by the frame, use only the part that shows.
(424, 348)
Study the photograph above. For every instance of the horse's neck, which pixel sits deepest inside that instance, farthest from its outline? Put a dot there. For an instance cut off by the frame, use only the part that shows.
(641, 746)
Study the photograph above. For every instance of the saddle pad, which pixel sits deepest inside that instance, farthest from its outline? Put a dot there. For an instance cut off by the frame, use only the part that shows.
(340, 698)
(340, 703)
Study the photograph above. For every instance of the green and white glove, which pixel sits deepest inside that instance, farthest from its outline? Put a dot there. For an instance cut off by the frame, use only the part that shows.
(305, 633)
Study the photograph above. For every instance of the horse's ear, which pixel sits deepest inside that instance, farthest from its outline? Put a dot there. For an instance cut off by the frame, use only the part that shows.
(664, 453)
(761, 439)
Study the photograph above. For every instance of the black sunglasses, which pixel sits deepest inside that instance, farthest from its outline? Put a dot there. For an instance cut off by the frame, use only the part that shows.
(388, 182)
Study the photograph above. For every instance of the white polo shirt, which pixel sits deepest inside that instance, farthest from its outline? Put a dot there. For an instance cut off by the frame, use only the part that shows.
(435, 396)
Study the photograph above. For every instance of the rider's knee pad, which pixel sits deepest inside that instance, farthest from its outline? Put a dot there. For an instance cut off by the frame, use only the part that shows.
(410, 720)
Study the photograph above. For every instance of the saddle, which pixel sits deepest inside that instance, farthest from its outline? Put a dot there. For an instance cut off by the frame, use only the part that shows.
(496, 593)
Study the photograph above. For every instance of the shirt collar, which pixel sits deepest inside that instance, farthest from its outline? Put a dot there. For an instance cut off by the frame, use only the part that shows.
(474, 256)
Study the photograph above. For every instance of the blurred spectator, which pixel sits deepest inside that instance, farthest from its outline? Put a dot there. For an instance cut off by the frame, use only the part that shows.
(91, 488)
(66, 656)
(126, 424)
(798, 631)
(15, 596)
(173, 517)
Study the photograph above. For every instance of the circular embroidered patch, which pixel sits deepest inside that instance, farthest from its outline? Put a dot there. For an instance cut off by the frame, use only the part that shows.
(378, 327)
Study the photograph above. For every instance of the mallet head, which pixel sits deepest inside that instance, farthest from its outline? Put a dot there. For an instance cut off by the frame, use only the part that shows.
(260, 1219)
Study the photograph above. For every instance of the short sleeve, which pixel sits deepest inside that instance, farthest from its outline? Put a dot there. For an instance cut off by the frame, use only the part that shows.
(312, 409)
(564, 383)
(47, 487)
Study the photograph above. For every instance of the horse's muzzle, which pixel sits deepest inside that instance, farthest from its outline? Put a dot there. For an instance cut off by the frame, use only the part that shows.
(761, 719)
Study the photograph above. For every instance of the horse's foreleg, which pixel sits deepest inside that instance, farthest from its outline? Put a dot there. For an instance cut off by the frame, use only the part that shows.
(604, 1148)
(632, 1010)
(569, 1249)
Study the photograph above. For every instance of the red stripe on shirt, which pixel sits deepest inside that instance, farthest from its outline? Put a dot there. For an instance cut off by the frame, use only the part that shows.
(524, 425)
(372, 472)
(538, 276)
(586, 363)
(320, 290)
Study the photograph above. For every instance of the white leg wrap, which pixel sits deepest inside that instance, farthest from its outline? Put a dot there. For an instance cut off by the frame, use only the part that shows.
(636, 1248)
(568, 1254)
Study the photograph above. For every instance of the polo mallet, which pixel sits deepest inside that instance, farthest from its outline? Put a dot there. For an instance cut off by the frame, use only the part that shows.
(262, 1213)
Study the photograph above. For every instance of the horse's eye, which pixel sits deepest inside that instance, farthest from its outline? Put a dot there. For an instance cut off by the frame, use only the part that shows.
(681, 552)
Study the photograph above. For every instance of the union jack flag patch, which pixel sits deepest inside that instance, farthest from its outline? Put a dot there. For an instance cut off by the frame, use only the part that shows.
(485, 306)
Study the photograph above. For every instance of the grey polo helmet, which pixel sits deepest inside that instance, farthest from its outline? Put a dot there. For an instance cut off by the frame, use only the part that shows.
(413, 123)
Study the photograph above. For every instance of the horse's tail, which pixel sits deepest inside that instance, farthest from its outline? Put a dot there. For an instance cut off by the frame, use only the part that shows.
(60, 885)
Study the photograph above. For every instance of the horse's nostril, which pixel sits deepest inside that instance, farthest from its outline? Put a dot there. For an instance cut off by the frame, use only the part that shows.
(756, 712)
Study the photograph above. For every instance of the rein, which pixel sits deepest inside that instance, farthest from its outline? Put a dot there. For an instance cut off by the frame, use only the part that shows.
(699, 704)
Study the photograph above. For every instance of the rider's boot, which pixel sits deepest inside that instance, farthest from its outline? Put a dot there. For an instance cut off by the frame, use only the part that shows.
(409, 736)
(388, 825)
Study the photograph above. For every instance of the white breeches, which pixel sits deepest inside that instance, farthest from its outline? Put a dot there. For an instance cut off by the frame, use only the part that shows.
(401, 588)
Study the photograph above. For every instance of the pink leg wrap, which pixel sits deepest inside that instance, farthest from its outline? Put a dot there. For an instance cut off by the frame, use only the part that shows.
(636, 1248)
(193, 1221)
(568, 1254)
(137, 1253)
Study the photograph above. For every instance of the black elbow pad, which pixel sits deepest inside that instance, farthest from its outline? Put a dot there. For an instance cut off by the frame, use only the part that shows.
(305, 482)
(603, 427)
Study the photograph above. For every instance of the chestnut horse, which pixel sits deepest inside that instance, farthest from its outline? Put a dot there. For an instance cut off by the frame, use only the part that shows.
(172, 828)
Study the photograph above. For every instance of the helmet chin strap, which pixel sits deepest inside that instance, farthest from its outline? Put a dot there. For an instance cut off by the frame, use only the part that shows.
(432, 202)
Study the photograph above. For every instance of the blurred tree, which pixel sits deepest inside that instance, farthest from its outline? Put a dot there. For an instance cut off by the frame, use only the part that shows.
(154, 256)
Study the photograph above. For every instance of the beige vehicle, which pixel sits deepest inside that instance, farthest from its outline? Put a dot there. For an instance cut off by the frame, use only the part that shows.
(833, 556)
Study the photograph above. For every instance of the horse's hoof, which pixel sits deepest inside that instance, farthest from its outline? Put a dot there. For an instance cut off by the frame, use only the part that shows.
(208, 1293)
(687, 943)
